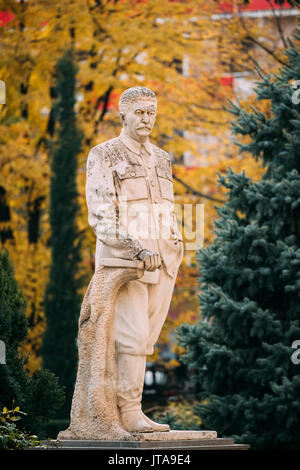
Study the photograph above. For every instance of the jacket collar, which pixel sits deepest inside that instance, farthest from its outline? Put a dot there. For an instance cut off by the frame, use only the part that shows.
(134, 145)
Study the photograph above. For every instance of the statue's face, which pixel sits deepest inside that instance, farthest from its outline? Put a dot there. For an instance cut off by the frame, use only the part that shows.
(139, 119)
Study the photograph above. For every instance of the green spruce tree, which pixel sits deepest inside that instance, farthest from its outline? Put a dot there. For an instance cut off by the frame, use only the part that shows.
(241, 350)
(62, 299)
(39, 396)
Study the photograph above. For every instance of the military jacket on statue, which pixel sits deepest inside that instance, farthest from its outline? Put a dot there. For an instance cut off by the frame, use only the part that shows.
(130, 199)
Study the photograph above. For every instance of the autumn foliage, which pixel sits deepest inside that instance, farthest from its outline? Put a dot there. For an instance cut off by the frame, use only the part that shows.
(179, 49)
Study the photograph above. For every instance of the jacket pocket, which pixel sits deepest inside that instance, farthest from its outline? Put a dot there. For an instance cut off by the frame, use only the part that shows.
(132, 183)
(165, 181)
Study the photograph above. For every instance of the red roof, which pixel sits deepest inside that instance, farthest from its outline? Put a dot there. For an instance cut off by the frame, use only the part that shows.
(225, 7)
(5, 17)
(228, 80)
(254, 5)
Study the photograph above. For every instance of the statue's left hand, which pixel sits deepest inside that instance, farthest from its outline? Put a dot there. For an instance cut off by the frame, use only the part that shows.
(151, 259)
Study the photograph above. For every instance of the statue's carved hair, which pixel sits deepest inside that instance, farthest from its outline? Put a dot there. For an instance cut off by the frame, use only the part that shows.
(135, 93)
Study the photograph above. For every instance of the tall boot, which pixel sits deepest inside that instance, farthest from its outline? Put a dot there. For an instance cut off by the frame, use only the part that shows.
(130, 382)
(157, 426)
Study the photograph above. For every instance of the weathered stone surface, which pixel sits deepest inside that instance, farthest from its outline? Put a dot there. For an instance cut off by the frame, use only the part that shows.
(94, 413)
(122, 263)
(176, 435)
(120, 318)
(203, 443)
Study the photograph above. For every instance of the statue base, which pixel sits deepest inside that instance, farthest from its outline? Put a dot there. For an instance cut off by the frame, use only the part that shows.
(171, 440)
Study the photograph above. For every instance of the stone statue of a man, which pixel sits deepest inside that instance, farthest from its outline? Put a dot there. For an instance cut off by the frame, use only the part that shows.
(128, 171)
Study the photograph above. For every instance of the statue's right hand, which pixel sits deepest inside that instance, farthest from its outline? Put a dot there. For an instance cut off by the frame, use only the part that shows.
(151, 259)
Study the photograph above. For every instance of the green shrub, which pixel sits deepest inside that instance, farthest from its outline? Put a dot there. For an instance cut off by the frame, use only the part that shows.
(180, 416)
(11, 438)
(40, 395)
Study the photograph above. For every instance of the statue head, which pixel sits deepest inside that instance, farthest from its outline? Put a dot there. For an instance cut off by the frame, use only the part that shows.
(137, 108)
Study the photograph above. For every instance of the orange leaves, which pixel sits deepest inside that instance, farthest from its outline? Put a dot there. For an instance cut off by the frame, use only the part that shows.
(189, 59)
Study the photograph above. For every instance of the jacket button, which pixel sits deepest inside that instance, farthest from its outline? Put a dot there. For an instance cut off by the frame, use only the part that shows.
(167, 174)
(132, 173)
(152, 182)
(156, 200)
(149, 167)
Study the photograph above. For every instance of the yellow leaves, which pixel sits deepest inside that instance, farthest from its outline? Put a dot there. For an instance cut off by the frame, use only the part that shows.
(31, 270)
(183, 412)
(172, 364)
(174, 48)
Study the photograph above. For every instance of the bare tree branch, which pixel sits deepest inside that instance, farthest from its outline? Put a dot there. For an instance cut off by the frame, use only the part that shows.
(278, 22)
(260, 44)
(195, 192)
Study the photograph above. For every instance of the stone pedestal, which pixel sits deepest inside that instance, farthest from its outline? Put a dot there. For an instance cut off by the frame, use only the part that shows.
(172, 440)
